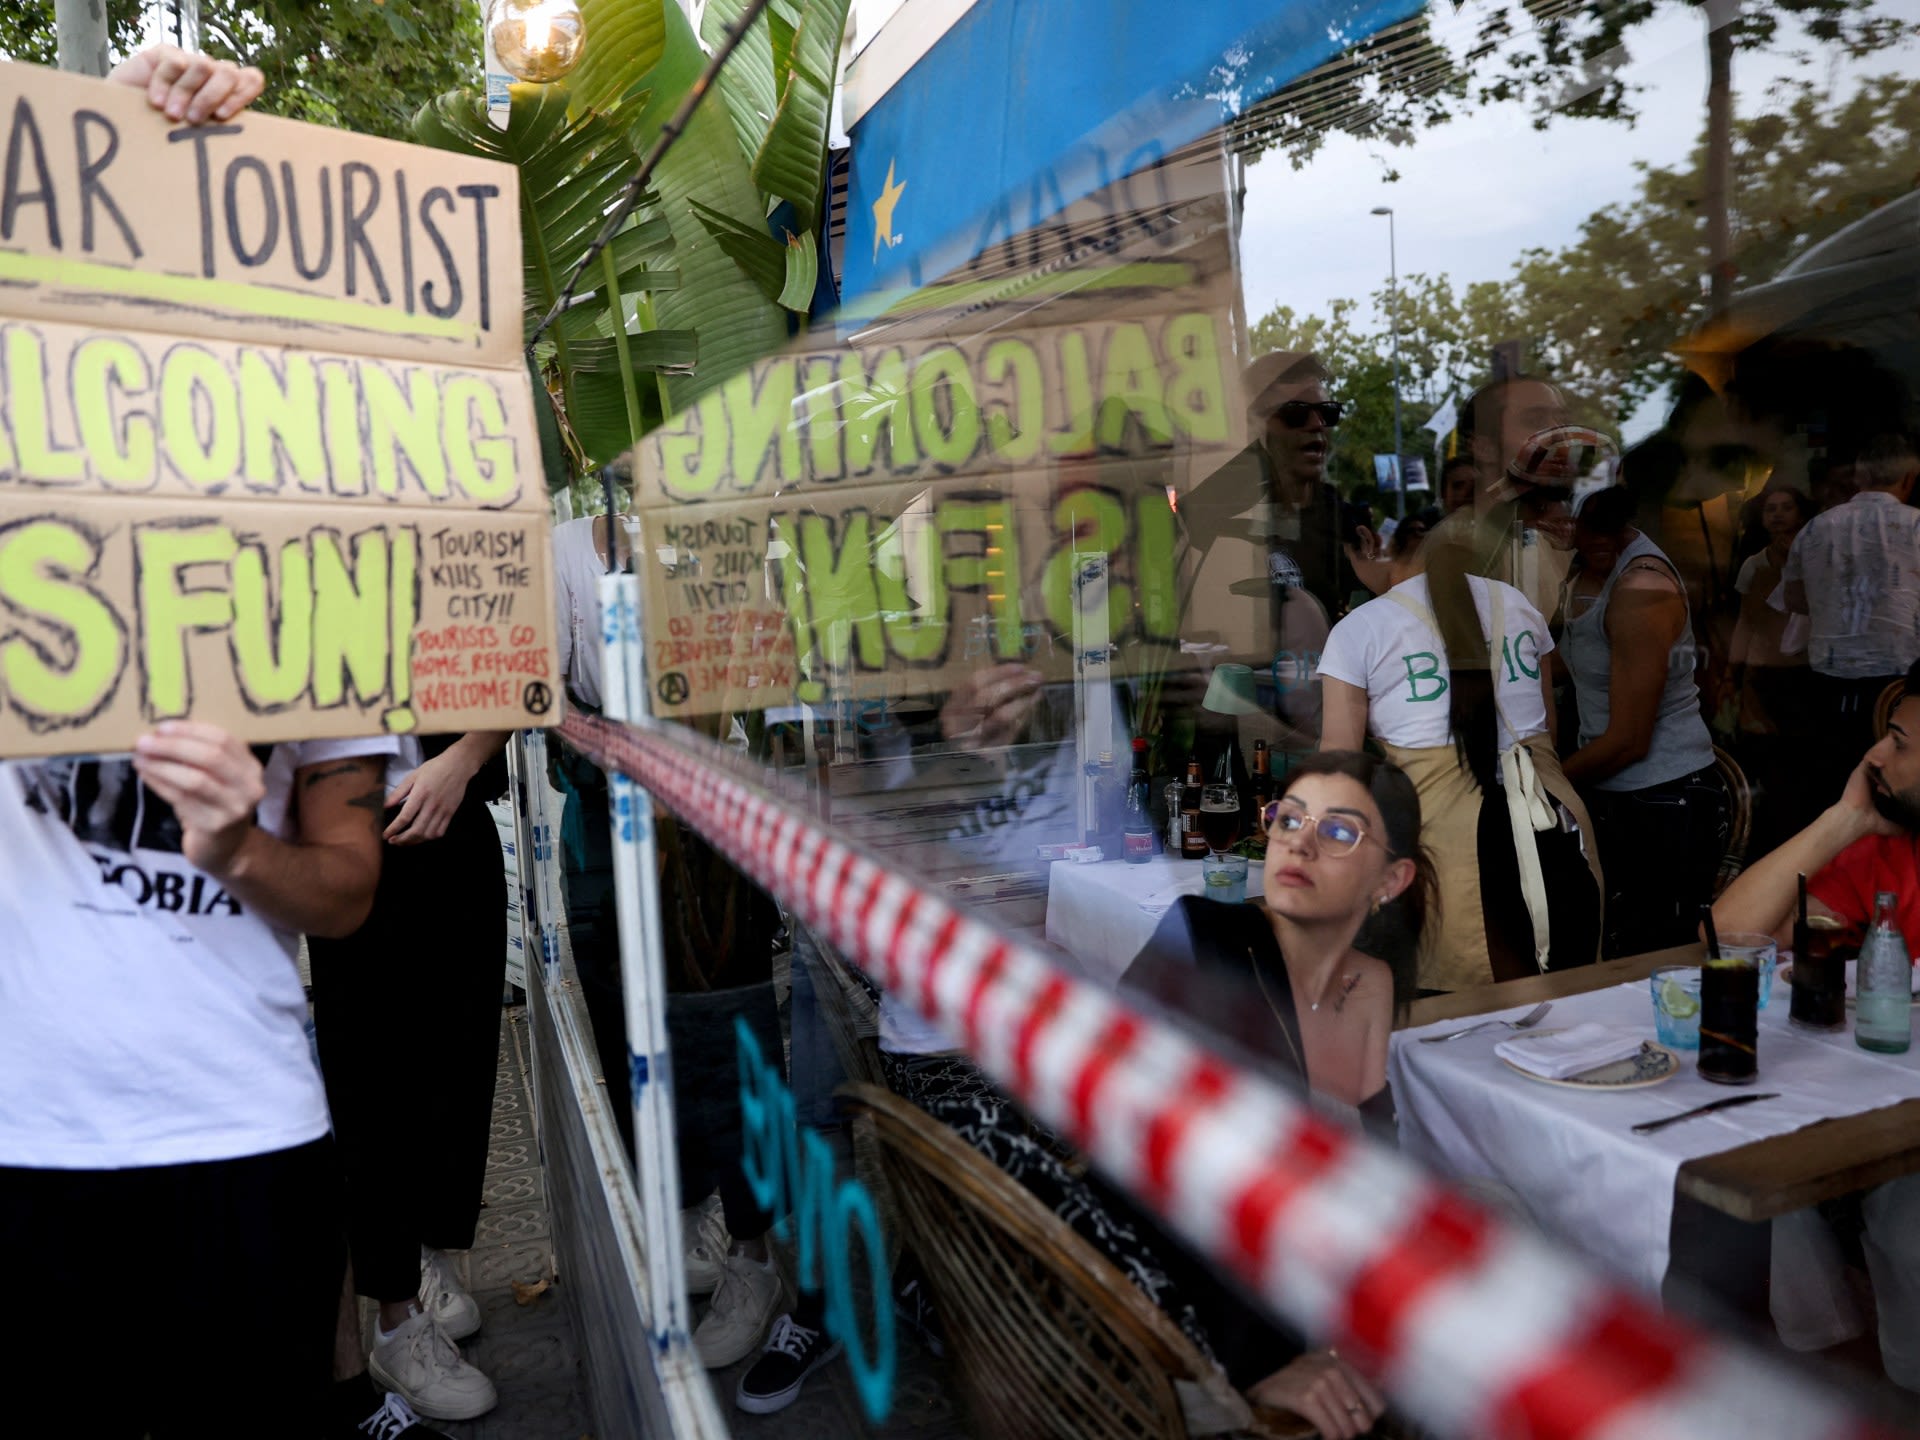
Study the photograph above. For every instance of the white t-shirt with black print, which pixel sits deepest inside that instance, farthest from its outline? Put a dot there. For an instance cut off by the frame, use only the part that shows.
(146, 1016)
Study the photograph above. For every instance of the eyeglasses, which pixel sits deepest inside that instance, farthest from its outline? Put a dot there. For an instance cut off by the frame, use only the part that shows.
(1293, 414)
(1341, 835)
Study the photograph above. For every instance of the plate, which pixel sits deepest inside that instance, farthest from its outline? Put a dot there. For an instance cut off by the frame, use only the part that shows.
(1654, 1065)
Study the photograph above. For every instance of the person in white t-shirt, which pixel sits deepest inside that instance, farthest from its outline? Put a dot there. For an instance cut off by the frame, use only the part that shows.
(163, 1129)
(164, 1148)
(1504, 826)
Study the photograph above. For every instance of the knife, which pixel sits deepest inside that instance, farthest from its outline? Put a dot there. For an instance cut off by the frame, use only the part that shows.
(1647, 1127)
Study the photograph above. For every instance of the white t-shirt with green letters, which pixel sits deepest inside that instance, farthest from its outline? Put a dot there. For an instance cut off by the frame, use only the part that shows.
(1390, 648)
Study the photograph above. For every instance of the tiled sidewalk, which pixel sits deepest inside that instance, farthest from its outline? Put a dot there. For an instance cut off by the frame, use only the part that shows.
(527, 1350)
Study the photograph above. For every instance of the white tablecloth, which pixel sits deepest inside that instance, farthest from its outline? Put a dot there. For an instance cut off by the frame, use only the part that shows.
(1571, 1156)
(1104, 913)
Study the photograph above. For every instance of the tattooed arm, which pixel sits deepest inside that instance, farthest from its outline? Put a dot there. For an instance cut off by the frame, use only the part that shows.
(322, 881)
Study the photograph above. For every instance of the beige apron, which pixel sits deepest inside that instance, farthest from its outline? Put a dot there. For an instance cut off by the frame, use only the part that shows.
(1453, 954)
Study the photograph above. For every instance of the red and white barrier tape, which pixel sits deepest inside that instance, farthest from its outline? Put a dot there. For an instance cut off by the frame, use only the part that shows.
(1475, 1326)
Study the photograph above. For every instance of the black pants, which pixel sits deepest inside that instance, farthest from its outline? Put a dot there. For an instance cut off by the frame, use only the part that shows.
(1573, 900)
(707, 1116)
(1660, 849)
(408, 1015)
(1843, 712)
(1785, 767)
(229, 1270)
(700, 1033)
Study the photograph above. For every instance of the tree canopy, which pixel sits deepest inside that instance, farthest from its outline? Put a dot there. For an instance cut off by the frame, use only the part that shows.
(363, 65)
(1602, 315)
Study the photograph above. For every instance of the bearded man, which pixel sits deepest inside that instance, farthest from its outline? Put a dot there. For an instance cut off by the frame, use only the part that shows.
(1868, 841)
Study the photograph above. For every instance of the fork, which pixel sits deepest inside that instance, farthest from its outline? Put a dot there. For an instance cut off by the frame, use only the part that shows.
(1525, 1022)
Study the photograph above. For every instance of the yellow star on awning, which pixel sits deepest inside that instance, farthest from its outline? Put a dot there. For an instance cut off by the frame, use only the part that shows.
(883, 212)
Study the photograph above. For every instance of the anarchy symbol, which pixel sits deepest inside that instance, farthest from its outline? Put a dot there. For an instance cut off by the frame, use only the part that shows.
(674, 689)
(537, 697)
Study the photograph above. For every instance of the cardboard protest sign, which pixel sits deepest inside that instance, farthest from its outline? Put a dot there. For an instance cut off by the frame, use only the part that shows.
(267, 454)
(882, 521)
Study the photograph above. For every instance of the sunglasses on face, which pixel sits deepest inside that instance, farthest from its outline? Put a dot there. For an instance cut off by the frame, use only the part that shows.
(1293, 414)
(1339, 833)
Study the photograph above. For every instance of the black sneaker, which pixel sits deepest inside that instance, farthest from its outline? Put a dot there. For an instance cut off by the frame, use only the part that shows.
(914, 1306)
(361, 1412)
(792, 1353)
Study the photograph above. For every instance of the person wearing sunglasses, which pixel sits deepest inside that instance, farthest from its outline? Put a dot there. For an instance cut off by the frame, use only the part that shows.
(1520, 890)
(1304, 984)
(1275, 495)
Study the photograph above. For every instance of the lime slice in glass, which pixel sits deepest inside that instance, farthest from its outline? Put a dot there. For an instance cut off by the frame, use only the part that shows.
(1675, 1000)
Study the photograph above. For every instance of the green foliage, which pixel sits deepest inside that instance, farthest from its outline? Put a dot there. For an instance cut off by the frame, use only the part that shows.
(1554, 57)
(697, 286)
(354, 64)
(1604, 314)
(735, 319)
(624, 39)
(788, 163)
(573, 168)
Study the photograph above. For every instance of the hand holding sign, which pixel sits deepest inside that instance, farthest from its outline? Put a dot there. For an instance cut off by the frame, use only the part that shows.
(193, 88)
(211, 780)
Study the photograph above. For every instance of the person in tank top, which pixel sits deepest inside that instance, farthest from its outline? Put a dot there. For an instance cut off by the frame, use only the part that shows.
(1645, 761)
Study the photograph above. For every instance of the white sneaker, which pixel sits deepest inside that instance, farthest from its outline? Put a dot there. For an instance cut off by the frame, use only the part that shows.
(423, 1367)
(444, 1298)
(745, 1303)
(703, 1235)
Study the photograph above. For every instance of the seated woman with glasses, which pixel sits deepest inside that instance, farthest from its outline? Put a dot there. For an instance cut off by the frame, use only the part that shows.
(1447, 673)
(1306, 985)
(1308, 980)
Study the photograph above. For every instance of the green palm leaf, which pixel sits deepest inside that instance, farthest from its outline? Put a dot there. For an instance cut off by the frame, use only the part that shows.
(791, 162)
(573, 169)
(737, 323)
(749, 82)
(624, 39)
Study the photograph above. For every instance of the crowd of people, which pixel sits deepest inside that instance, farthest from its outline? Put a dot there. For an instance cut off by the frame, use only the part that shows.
(1505, 763)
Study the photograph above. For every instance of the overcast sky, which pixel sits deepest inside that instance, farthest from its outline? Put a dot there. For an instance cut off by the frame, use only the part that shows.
(1474, 193)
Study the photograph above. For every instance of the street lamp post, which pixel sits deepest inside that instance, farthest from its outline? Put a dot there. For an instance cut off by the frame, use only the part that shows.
(1393, 291)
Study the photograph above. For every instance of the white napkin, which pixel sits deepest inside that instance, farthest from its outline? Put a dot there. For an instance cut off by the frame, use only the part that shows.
(1572, 1051)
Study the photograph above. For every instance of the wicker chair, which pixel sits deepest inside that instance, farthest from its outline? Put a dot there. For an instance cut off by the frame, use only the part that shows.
(1050, 1339)
(1883, 707)
(1740, 793)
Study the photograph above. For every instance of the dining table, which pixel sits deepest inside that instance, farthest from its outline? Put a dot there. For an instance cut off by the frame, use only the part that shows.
(1649, 1206)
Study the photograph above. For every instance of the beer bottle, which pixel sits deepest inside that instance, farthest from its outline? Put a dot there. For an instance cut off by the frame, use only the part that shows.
(1193, 845)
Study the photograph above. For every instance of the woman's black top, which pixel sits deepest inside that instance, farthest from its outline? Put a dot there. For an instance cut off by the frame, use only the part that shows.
(1200, 967)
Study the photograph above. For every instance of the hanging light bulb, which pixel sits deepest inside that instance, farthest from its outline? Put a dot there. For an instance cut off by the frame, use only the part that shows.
(537, 40)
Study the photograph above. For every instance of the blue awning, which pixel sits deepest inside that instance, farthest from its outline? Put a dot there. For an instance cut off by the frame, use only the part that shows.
(1025, 106)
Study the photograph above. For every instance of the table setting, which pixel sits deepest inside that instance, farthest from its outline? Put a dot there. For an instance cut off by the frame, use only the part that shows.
(1587, 1106)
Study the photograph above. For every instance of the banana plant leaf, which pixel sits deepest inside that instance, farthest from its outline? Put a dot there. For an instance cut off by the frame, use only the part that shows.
(750, 81)
(803, 273)
(572, 170)
(736, 322)
(791, 161)
(624, 39)
(753, 249)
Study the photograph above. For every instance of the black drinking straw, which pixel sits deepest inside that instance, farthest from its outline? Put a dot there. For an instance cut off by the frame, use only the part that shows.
(1713, 936)
(1803, 900)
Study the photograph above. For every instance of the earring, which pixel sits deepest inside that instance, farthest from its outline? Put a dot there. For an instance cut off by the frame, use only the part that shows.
(1376, 905)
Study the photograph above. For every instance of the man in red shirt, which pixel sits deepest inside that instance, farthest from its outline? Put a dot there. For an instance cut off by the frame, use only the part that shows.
(1866, 842)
